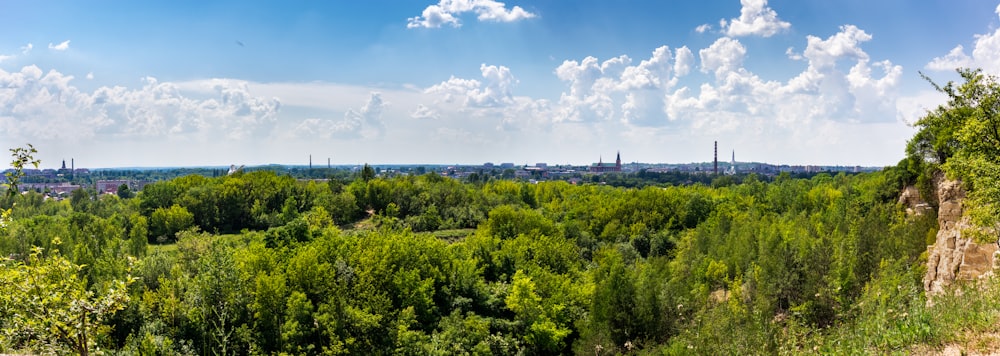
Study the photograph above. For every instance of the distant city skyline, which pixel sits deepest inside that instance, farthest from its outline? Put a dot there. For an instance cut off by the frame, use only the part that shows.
(723, 164)
(180, 84)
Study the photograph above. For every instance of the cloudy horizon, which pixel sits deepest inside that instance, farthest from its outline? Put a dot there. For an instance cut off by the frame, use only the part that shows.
(473, 81)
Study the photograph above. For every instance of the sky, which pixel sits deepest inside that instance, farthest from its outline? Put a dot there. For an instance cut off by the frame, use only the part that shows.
(201, 83)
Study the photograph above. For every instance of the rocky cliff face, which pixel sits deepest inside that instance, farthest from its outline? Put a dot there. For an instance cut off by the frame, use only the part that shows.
(954, 257)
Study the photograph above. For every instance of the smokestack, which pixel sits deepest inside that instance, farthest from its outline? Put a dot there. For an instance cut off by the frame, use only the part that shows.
(328, 163)
(715, 161)
(72, 168)
(310, 162)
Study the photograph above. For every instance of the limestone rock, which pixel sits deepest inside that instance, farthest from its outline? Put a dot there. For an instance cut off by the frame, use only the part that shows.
(953, 256)
(914, 203)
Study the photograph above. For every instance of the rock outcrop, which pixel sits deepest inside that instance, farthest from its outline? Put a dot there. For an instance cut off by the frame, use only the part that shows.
(914, 203)
(953, 256)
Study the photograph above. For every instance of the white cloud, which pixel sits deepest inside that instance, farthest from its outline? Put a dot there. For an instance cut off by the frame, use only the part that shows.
(64, 45)
(489, 100)
(724, 55)
(684, 60)
(756, 19)
(446, 12)
(370, 115)
(24, 51)
(493, 91)
(90, 75)
(46, 106)
(703, 28)
(617, 89)
(956, 58)
(366, 122)
(985, 54)
(790, 52)
(844, 44)
(822, 93)
(423, 112)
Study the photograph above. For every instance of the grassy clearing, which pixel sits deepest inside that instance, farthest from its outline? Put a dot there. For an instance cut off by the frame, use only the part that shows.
(453, 235)
(170, 248)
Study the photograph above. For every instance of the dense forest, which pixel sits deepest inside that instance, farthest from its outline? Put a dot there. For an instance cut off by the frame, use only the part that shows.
(262, 263)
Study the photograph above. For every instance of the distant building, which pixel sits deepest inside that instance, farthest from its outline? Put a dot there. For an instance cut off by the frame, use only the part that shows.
(601, 167)
(111, 186)
(732, 165)
(53, 188)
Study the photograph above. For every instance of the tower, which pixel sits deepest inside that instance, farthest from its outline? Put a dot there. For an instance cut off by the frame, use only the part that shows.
(310, 162)
(715, 160)
(732, 165)
(618, 162)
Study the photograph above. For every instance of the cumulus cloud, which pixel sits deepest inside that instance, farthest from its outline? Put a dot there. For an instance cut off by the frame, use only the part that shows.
(39, 105)
(494, 91)
(724, 55)
(64, 45)
(446, 12)
(488, 98)
(756, 19)
(823, 92)
(985, 54)
(844, 44)
(5, 57)
(366, 122)
(617, 89)
(682, 65)
(956, 58)
(27, 48)
(703, 28)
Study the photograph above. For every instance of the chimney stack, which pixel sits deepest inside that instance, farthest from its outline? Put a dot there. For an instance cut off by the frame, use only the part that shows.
(715, 161)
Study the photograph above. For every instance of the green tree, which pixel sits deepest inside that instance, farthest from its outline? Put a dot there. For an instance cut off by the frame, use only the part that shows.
(963, 135)
(166, 222)
(45, 306)
(124, 192)
(367, 173)
(23, 156)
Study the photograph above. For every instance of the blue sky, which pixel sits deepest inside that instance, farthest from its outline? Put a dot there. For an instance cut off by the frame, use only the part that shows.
(116, 83)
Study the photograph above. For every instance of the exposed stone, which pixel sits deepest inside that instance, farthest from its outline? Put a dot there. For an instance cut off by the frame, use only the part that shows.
(953, 256)
(914, 203)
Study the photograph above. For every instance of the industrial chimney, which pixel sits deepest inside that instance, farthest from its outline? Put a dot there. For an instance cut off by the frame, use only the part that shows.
(715, 161)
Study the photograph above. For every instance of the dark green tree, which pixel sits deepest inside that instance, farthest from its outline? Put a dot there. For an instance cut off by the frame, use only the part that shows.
(124, 192)
(367, 173)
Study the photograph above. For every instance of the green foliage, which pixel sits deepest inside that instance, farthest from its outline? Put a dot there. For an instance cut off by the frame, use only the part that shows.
(266, 264)
(165, 223)
(45, 306)
(22, 157)
(963, 137)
